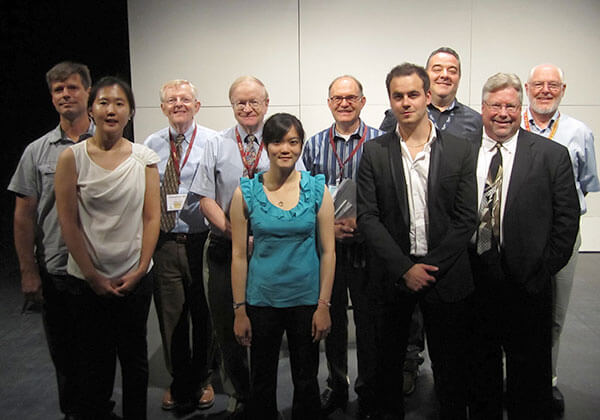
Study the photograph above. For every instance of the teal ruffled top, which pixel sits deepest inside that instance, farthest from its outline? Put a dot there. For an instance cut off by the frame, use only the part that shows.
(284, 267)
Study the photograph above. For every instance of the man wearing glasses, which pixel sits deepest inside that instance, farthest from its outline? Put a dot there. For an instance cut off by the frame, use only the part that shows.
(335, 152)
(178, 287)
(545, 88)
(528, 222)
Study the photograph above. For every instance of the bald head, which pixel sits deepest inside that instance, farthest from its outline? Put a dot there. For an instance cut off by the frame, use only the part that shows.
(545, 88)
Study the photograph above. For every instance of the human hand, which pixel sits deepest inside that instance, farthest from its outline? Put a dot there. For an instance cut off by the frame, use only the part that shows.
(242, 329)
(103, 286)
(344, 228)
(31, 286)
(418, 277)
(321, 323)
(126, 284)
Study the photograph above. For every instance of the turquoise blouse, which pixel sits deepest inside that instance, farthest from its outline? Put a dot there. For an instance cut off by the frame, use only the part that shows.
(284, 267)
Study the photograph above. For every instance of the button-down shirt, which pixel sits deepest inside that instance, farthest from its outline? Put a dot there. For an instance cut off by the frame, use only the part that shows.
(486, 152)
(578, 138)
(458, 120)
(190, 218)
(416, 174)
(319, 157)
(221, 168)
(34, 177)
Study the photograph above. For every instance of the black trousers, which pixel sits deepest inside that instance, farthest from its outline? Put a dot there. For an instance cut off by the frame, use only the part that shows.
(351, 275)
(107, 328)
(268, 325)
(180, 304)
(508, 320)
(58, 319)
(446, 328)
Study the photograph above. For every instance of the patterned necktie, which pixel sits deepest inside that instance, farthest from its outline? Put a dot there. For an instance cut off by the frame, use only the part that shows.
(488, 232)
(170, 185)
(249, 154)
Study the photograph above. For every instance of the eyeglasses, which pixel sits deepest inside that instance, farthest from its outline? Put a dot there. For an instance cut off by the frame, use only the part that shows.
(174, 100)
(552, 86)
(252, 103)
(351, 99)
(498, 107)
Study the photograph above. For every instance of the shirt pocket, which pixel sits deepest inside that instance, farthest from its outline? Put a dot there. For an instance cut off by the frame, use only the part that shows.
(47, 171)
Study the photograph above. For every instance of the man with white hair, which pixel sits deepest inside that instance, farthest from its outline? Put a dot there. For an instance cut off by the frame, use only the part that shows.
(545, 89)
(178, 286)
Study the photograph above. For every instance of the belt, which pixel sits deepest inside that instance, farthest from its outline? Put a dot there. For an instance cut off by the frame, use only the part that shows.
(180, 238)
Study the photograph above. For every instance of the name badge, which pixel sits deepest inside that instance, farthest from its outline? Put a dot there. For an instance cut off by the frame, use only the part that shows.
(332, 190)
(175, 202)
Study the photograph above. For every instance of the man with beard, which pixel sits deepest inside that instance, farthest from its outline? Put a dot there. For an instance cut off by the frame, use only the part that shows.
(545, 89)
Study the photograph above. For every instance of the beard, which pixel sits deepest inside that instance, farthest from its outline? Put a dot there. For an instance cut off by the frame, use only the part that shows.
(545, 109)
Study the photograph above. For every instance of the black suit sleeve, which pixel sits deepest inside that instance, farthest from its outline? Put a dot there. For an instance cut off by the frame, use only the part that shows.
(370, 216)
(566, 211)
(462, 220)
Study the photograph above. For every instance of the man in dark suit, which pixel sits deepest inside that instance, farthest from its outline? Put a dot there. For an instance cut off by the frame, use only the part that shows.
(529, 218)
(417, 208)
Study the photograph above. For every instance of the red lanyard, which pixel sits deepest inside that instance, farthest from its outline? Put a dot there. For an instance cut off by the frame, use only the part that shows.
(339, 160)
(554, 127)
(249, 168)
(174, 153)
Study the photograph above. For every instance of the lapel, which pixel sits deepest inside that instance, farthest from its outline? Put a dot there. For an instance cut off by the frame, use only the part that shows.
(437, 148)
(397, 170)
(520, 169)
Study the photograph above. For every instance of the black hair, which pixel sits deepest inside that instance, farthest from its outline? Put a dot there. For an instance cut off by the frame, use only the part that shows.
(111, 81)
(278, 125)
(407, 69)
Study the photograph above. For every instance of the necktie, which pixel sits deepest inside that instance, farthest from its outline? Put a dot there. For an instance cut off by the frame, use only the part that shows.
(170, 185)
(249, 154)
(488, 232)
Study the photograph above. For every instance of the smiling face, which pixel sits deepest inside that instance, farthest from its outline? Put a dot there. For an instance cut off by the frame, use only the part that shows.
(69, 97)
(180, 106)
(408, 99)
(345, 101)
(110, 110)
(545, 89)
(444, 72)
(501, 114)
(250, 103)
(285, 152)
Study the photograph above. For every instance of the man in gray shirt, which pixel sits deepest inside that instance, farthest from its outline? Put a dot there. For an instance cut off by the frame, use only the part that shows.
(40, 249)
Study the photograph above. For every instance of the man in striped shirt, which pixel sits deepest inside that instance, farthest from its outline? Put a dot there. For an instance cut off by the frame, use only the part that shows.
(335, 152)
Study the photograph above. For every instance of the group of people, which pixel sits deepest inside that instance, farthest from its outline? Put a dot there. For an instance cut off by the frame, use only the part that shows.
(458, 227)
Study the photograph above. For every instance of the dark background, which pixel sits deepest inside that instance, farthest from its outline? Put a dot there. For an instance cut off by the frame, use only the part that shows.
(34, 36)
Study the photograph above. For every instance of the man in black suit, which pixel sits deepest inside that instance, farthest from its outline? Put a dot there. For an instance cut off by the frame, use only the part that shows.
(529, 218)
(417, 208)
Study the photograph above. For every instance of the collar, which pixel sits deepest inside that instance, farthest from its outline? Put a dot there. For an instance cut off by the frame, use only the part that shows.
(243, 133)
(454, 104)
(58, 133)
(430, 140)
(532, 121)
(187, 134)
(509, 145)
(356, 133)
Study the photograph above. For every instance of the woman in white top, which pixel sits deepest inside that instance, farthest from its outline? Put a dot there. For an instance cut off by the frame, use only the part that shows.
(108, 202)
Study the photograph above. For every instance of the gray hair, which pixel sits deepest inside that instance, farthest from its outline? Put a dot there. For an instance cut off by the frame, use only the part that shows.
(175, 84)
(346, 76)
(501, 81)
(243, 79)
(561, 74)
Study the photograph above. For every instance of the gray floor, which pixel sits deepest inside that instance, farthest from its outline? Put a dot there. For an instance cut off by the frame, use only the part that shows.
(28, 389)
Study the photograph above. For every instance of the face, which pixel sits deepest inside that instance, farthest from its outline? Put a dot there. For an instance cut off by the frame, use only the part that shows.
(285, 153)
(110, 110)
(444, 73)
(345, 101)
(408, 100)
(545, 90)
(180, 106)
(250, 105)
(501, 114)
(69, 97)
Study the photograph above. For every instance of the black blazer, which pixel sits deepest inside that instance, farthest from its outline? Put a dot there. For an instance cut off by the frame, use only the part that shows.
(541, 214)
(384, 218)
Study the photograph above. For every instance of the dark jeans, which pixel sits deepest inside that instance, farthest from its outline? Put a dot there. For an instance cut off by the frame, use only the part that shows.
(180, 301)
(350, 275)
(220, 298)
(510, 321)
(446, 326)
(268, 325)
(107, 328)
(58, 321)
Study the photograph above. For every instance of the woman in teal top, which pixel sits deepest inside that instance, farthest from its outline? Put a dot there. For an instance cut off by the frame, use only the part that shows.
(286, 285)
